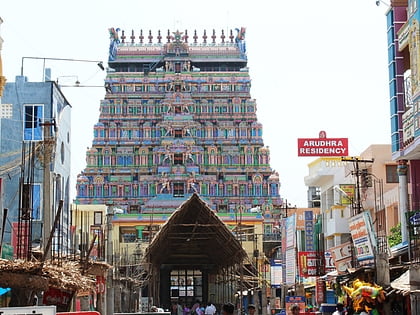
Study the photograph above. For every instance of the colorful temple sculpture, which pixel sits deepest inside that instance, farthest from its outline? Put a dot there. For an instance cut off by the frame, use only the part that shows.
(178, 123)
(177, 119)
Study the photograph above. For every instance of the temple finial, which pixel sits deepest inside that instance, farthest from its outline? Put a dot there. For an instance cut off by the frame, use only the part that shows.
(122, 37)
(205, 37)
(159, 37)
(141, 37)
(132, 37)
(195, 37)
(231, 36)
(150, 37)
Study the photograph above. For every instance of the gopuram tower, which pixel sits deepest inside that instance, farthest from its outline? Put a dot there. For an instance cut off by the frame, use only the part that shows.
(178, 119)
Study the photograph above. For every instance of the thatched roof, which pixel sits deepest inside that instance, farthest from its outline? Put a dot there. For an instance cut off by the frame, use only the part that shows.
(41, 276)
(195, 235)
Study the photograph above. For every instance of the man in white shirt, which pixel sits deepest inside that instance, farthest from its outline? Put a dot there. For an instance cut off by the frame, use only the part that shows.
(210, 309)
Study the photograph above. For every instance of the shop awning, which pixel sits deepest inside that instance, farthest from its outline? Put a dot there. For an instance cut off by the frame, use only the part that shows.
(4, 290)
(401, 285)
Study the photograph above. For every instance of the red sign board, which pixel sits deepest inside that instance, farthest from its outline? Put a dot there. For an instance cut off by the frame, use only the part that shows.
(323, 147)
(320, 291)
(57, 297)
(307, 264)
(100, 284)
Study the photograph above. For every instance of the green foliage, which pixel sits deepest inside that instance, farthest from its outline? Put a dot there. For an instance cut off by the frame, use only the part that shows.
(395, 237)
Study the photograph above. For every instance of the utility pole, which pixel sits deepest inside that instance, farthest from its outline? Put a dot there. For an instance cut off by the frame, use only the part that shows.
(109, 304)
(49, 145)
(357, 173)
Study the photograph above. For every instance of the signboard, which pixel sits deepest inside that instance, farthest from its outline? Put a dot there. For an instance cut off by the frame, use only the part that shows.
(348, 198)
(360, 226)
(28, 310)
(276, 273)
(320, 289)
(341, 255)
(290, 231)
(290, 276)
(100, 284)
(307, 264)
(413, 220)
(309, 230)
(59, 297)
(323, 147)
(329, 261)
(299, 300)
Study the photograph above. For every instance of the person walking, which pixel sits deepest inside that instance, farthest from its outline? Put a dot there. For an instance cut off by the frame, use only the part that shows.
(339, 309)
(295, 309)
(251, 309)
(210, 309)
(228, 308)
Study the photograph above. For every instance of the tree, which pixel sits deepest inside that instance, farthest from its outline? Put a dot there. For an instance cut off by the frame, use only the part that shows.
(395, 237)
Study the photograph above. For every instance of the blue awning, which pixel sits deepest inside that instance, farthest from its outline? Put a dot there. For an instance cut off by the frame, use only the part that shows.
(4, 290)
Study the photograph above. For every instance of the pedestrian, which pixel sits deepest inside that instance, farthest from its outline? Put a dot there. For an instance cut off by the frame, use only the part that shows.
(295, 309)
(228, 308)
(187, 310)
(251, 309)
(210, 309)
(179, 310)
(339, 309)
(195, 309)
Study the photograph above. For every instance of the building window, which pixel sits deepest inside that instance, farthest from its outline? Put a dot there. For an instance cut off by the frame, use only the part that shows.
(187, 285)
(128, 234)
(178, 159)
(134, 208)
(178, 133)
(391, 174)
(178, 189)
(97, 218)
(34, 117)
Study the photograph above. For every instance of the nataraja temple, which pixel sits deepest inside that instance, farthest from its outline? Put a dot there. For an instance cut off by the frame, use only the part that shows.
(178, 118)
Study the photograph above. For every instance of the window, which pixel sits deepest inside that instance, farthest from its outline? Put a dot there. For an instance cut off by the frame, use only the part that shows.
(178, 159)
(128, 234)
(391, 174)
(34, 116)
(97, 218)
(187, 285)
(134, 208)
(178, 133)
(178, 189)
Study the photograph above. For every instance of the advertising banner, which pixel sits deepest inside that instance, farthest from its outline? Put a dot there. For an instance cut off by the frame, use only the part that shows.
(320, 288)
(341, 255)
(329, 261)
(323, 147)
(307, 264)
(290, 266)
(309, 230)
(276, 273)
(299, 300)
(361, 232)
(291, 231)
(349, 189)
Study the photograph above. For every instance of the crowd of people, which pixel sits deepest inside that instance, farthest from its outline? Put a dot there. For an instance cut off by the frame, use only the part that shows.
(209, 309)
(229, 309)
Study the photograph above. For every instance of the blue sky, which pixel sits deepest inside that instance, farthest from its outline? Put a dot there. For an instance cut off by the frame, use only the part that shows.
(314, 65)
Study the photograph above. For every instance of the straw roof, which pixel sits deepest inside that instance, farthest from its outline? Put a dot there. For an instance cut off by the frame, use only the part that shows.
(194, 234)
(41, 276)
